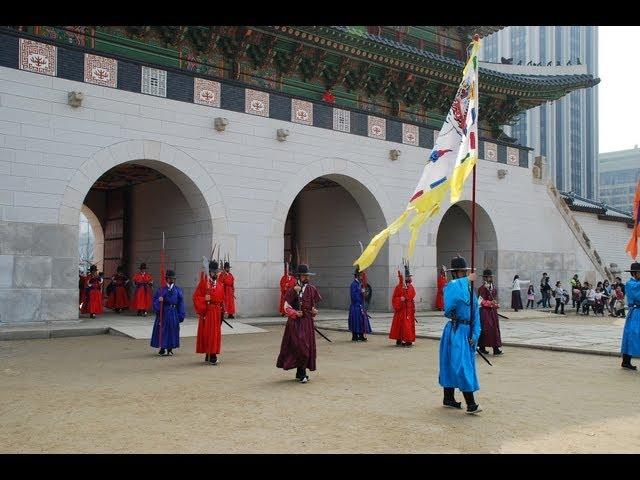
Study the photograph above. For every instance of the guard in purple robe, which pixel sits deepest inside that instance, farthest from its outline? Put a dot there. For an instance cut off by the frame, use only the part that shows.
(488, 298)
(171, 300)
(358, 317)
(298, 348)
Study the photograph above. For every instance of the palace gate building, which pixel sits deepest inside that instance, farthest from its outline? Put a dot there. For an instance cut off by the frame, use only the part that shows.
(269, 141)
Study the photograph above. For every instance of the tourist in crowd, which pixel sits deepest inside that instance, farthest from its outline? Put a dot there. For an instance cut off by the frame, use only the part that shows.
(545, 291)
(576, 294)
(516, 298)
(531, 296)
(619, 305)
(590, 299)
(560, 296)
(600, 300)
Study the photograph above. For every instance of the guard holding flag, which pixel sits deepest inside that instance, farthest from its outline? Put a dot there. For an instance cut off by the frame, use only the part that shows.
(459, 338)
(631, 334)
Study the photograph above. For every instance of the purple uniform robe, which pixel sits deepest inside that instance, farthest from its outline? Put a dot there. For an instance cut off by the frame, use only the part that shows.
(490, 336)
(298, 348)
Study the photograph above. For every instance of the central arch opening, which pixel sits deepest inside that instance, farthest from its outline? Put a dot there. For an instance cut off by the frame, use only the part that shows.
(454, 237)
(131, 206)
(325, 222)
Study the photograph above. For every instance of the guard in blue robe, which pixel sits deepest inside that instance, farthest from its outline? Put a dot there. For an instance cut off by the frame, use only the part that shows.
(171, 300)
(631, 334)
(358, 317)
(459, 339)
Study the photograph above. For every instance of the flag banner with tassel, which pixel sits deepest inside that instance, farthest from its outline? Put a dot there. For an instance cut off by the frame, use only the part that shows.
(632, 246)
(451, 161)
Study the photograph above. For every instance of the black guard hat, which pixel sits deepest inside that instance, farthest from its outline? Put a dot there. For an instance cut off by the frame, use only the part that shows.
(303, 270)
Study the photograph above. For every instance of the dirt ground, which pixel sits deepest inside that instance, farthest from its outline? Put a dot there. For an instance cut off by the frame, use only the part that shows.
(112, 394)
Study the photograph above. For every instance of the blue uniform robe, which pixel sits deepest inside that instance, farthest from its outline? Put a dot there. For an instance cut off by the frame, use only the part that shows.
(457, 356)
(358, 317)
(172, 316)
(631, 334)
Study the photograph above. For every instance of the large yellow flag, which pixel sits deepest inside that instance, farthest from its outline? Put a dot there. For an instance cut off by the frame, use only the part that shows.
(450, 163)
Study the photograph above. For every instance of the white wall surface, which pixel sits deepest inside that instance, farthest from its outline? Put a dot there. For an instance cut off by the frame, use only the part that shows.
(244, 180)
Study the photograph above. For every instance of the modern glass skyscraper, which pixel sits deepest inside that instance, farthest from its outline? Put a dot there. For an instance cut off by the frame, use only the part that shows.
(565, 131)
(619, 175)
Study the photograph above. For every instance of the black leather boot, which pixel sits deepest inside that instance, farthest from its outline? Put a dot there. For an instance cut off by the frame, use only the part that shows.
(449, 400)
(626, 362)
(472, 406)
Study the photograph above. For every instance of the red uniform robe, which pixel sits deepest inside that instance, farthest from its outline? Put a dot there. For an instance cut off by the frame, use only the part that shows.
(81, 287)
(118, 297)
(93, 295)
(403, 326)
(229, 293)
(143, 295)
(210, 313)
(287, 282)
(442, 281)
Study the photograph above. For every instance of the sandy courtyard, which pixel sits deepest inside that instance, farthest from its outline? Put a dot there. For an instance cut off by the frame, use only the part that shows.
(112, 394)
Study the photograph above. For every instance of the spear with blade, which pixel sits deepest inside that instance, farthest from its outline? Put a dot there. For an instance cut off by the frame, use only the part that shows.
(163, 284)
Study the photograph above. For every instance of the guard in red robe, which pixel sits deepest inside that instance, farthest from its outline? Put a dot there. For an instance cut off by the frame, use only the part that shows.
(208, 302)
(403, 326)
(118, 298)
(93, 293)
(298, 348)
(143, 294)
(490, 323)
(229, 291)
(81, 288)
(442, 281)
(287, 282)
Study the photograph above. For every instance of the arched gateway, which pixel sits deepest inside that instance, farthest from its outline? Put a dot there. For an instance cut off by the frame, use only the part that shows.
(139, 190)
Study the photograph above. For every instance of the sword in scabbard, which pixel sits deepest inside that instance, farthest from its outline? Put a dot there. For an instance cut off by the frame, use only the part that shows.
(321, 334)
(483, 357)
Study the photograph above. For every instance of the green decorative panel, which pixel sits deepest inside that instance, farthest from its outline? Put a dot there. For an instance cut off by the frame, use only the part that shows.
(138, 50)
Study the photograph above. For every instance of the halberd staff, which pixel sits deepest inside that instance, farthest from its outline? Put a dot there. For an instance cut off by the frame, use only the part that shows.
(403, 325)
(208, 299)
(168, 303)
